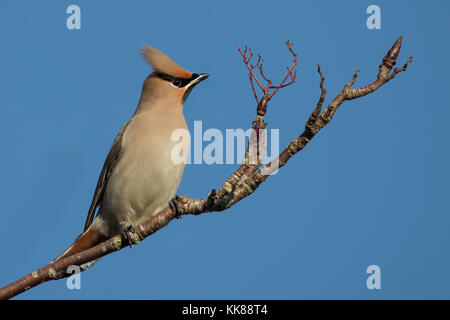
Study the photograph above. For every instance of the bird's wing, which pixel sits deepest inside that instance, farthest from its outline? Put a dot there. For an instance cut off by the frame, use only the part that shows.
(111, 160)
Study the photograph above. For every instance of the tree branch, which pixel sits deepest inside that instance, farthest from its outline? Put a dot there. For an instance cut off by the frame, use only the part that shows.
(242, 182)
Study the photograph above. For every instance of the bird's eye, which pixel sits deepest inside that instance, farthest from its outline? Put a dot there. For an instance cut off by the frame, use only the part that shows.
(176, 82)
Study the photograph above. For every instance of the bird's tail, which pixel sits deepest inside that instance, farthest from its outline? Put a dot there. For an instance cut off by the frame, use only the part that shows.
(86, 240)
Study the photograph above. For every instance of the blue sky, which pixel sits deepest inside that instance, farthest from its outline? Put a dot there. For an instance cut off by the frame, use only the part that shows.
(371, 188)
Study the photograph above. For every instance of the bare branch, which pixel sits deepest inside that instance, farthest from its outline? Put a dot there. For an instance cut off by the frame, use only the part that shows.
(248, 65)
(313, 117)
(289, 74)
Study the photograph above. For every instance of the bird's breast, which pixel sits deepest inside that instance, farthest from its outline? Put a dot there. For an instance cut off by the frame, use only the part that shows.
(147, 175)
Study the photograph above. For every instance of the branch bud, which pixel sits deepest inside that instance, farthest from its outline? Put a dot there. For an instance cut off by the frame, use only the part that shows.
(390, 58)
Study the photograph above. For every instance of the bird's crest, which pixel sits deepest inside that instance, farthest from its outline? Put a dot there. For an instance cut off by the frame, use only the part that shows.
(161, 63)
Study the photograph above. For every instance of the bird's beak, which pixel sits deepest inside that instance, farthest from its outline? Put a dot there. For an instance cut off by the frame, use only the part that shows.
(203, 76)
(198, 78)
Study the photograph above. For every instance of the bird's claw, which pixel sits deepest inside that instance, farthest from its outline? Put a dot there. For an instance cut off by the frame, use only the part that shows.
(173, 204)
(130, 235)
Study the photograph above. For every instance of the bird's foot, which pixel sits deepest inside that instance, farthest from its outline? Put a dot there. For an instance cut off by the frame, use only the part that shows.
(173, 204)
(131, 235)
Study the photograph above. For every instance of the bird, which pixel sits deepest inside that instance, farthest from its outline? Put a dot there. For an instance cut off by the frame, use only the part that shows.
(139, 177)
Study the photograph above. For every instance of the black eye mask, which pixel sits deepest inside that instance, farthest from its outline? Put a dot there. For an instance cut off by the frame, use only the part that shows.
(177, 82)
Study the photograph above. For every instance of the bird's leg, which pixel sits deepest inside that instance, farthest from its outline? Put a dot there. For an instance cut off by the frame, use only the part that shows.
(131, 235)
(173, 204)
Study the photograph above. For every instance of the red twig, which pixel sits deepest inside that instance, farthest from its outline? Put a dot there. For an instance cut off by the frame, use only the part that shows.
(267, 94)
(251, 74)
(293, 76)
